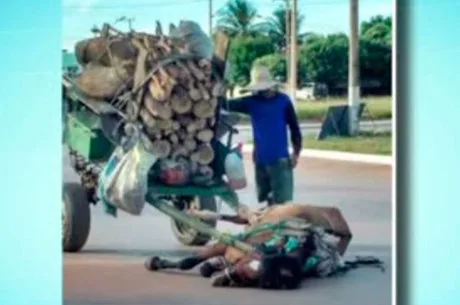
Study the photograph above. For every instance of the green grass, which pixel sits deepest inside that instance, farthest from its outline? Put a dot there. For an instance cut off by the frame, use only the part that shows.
(365, 143)
(378, 108)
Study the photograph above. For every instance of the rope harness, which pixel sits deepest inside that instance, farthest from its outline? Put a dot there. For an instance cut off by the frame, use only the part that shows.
(324, 260)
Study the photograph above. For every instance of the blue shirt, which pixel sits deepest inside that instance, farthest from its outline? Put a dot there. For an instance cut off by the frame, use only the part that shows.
(270, 119)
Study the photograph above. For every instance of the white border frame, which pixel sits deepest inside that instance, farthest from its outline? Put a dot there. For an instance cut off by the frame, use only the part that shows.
(394, 167)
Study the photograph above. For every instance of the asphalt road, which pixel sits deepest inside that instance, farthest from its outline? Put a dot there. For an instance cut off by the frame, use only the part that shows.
(245, 131)
(110, 268)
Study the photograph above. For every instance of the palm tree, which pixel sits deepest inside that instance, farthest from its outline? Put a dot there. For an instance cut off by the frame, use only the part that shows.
(276, 27)
(239, 18)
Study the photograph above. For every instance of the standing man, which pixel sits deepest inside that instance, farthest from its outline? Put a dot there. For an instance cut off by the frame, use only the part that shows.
(271, 113)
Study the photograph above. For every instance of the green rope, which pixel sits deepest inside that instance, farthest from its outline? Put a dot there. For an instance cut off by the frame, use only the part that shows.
(258, 229)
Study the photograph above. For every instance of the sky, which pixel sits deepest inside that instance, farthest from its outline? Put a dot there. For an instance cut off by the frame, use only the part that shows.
(321, 16)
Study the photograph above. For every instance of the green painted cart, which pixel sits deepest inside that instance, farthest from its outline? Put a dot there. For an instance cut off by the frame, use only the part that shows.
(89, 137)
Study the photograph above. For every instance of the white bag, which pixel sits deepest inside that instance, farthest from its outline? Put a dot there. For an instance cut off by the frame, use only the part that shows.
(123, 182)
(234, 170)
(330, 261)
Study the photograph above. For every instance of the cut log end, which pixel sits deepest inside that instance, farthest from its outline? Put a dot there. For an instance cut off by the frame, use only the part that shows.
(205, 135)
(161, 148)
(204, 155)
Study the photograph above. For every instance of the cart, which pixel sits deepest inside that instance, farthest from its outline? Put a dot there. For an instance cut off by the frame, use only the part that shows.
(90, 137)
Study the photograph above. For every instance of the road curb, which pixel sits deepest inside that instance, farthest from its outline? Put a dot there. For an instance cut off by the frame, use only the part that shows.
(337, 155)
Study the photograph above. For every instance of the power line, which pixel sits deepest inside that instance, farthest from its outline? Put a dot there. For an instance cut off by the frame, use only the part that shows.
(131, 6)
(173, 3)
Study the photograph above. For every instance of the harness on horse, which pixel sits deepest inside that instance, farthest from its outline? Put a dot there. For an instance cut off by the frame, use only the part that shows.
(295, 250)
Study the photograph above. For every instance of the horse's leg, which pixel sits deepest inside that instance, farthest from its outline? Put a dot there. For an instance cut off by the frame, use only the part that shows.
(155, 263)
(214, 258)
(330, 218)
(340, 226)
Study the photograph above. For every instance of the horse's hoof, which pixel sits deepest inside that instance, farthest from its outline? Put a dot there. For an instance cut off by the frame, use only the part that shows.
(207, 270)
(220, 280)
(152, 263)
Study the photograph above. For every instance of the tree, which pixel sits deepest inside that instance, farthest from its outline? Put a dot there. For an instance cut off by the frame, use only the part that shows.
(379, 19)
(243, 52)
(276, 63)
(276, 27)
(325, 59)
(238, 18)
(376, 53)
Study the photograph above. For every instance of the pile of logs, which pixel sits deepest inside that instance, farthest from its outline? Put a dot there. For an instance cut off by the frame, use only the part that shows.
(176, 98)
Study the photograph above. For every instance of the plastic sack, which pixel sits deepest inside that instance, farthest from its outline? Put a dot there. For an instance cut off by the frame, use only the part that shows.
(327, 258)
(197, 41)
(228, 70)
(123, 182)
(101, 82)
(103, 50)
(234, 169)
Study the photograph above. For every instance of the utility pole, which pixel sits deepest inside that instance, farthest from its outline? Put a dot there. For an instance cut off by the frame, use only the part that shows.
(288, 31)
(210, 18)
(293, 59)
(287, 38)
(353, 70)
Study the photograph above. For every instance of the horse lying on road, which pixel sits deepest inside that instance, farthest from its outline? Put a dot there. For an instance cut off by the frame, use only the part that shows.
(280, 260)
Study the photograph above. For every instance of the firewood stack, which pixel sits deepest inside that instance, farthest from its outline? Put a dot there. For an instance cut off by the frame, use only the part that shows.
(177, 102)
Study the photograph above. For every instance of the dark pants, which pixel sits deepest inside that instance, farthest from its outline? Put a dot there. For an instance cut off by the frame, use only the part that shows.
(275, 183)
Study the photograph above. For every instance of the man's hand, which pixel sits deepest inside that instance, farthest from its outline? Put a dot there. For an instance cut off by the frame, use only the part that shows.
(294, 160)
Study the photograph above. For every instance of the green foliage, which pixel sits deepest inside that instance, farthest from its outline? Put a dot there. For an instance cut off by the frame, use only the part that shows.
(325, 58)
(277, 64)
(379, 32)
(377, 143)
(376, 20)
(322, 58)
(238, 18)
(243, 52)
(276, 26)
(375, 51)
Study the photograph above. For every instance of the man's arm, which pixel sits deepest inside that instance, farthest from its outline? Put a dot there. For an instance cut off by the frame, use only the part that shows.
(294, 128)
(240, 105)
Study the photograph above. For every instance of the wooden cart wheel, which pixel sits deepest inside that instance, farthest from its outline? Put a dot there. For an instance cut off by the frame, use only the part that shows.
(75, 217)
(188, 236)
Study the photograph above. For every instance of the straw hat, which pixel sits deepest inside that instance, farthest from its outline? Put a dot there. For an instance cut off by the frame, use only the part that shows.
(261, 79)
